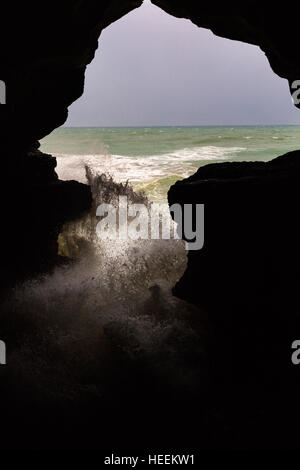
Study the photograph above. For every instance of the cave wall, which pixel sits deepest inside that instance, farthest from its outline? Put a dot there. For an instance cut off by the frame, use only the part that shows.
(45, 49)
(247, 275)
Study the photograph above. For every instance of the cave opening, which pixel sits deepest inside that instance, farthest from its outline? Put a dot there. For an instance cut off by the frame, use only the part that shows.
(159, 86)
(163, 98)
(124, 333)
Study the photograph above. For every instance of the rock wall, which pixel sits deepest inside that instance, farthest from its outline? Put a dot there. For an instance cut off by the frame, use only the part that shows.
(247, 274)
(251, 230)
(44, 54)
(45, 49)
(35, 205)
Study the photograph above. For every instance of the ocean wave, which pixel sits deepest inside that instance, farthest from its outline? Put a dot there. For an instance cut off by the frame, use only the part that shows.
(142, 169)
(107, 317)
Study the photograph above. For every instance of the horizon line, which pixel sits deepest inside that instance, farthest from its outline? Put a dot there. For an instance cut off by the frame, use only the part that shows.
(176, 125)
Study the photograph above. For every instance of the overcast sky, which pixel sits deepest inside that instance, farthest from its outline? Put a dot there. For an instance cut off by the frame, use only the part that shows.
(154, 69)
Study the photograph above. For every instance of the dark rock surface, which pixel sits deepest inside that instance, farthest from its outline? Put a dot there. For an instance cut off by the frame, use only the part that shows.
(251, 229)
(45, 53)
(246, 276)
(44, 59)
(35, 205)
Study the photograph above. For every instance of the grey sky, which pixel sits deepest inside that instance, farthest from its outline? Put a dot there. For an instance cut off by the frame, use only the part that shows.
(154, 69)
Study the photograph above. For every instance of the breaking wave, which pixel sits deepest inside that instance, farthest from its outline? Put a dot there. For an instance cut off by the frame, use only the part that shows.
(109, 309)
(143, 169)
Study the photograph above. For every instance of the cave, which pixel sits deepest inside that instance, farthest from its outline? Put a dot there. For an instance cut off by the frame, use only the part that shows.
(251, 311)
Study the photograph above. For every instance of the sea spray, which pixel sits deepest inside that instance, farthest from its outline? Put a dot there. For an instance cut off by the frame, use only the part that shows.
(89, 330)
(125, 265)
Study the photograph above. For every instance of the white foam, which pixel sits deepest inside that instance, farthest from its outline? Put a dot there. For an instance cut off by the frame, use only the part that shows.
(141, 169)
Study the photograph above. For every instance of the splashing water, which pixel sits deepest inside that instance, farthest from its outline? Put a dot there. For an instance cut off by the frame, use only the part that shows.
(127, 267)
(113, 305)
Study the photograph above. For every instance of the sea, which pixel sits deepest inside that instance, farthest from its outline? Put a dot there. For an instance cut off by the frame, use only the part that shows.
(153, 158)
(104, 326)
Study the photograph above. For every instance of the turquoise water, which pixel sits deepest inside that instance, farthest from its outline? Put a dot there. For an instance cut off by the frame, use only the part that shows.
(153, 158)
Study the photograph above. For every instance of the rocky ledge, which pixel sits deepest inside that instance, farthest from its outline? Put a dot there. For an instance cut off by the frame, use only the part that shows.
(44, 73)
(35, 205)
(251, 233)
(246, 275)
